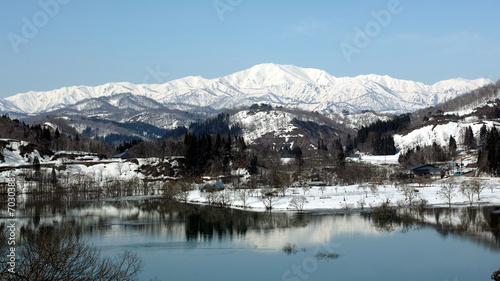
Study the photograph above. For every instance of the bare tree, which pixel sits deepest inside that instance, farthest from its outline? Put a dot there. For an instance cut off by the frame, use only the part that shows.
(119, 166)
(496, 275)
(268, 199)
(212, 198)
(57, 254)
(183, 188)
(298, 203)
(362, 203)
(374, 188)
(477, 188)
(224, 198)
(322, 189)
(244, 194)
(467, 189)
(447, 191)
(171, 190)
(409, 192)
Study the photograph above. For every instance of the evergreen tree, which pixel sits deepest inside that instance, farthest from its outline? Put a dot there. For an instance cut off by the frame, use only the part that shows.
(299, 161)
(53, 179)
(252, 165)
(493, 151)
(57, 135)
(483, 135)
(349, 147)
(452, 146)
(469, 140)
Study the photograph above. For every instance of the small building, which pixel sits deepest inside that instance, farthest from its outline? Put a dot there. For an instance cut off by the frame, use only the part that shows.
(212, 187)
(316, 183)
(124, 155)
(425, 170)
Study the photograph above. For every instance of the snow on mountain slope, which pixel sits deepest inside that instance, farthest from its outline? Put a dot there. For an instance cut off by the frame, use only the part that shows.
(257, 124)
(285, 129)
(475, 101)
(7, 106)
(285, 85)
(357, 120)
(12, 155)
(440, 134)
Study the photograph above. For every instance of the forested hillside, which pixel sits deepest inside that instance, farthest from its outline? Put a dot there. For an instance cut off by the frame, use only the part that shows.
(49, 136)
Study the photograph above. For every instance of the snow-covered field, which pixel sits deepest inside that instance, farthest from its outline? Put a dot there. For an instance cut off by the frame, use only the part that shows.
(379, 159)
(356, 197)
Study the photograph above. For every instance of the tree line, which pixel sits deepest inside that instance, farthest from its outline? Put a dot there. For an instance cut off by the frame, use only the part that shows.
(377, 137)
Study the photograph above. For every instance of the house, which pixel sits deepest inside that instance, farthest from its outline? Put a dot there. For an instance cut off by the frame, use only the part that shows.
(355, 156)
(212, 187)
(316, 183)
(424, 170)
(123, 155)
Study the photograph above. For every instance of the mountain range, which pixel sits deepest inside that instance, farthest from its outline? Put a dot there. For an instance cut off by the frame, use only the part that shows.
(278, 85)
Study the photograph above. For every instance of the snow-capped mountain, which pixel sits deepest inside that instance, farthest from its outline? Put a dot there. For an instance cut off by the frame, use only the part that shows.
(284, 85)
(7, 106)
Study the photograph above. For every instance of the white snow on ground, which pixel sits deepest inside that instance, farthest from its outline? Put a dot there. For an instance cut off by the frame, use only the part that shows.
(12, 154)
(378, 159)
(351, 197)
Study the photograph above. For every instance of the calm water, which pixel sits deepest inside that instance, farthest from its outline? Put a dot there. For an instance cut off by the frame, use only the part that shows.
(183, 242)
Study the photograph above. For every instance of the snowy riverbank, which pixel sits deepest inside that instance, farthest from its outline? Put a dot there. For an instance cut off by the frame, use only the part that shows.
(356, 196)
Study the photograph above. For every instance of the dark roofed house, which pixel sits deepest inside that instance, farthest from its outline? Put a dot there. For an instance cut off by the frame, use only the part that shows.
(124, 155)
(211, 188)
(425, 170)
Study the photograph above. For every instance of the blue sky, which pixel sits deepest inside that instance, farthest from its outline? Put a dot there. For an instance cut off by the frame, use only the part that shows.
(49, 44)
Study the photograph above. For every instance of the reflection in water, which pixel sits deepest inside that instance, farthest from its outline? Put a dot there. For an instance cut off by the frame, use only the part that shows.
(183, 242)
(203, 223)
(480, 224)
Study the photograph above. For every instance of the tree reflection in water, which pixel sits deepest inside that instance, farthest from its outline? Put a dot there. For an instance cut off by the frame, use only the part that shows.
(481, 224)
(204, 223)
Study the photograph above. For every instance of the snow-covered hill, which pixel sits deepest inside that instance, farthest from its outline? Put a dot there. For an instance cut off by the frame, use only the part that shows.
(285, 129)
(440, 134)
(285, 85)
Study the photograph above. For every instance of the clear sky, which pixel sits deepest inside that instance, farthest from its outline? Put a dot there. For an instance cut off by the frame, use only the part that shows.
(49, 44)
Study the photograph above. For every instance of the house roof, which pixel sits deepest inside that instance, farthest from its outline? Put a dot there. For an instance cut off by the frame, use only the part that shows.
(315, 182)
(124, 155)
(423, 169)
(212, 187)
(420, 167)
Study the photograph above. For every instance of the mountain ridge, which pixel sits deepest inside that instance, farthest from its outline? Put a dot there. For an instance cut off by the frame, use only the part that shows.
(280, 85)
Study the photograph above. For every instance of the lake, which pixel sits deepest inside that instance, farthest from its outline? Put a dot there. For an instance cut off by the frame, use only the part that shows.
(188, 242)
